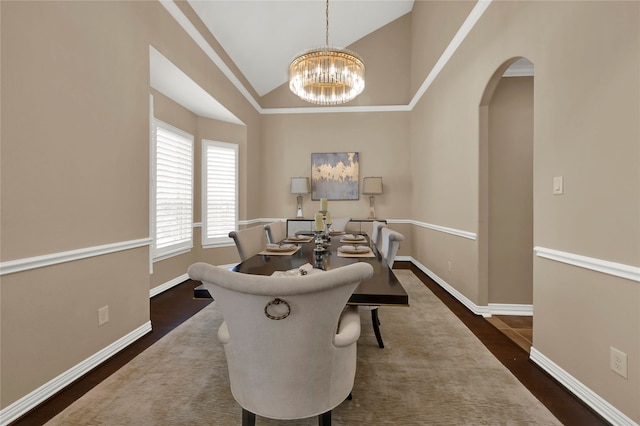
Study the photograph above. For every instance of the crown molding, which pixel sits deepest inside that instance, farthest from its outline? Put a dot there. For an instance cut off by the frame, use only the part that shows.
(466, 27)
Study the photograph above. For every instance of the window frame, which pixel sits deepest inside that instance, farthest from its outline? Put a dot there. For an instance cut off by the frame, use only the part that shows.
(185, 244)
(222, 240)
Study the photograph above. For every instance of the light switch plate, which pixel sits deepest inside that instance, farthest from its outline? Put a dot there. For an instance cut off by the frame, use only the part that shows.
(558, 185)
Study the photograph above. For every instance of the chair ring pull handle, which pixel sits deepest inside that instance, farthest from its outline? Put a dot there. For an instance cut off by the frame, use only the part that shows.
(277, 301)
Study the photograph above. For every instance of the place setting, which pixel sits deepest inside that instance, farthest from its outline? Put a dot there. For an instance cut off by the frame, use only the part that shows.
(306, 269)
(298, 238)
(355, 250)
(353, 238)
(281, 249)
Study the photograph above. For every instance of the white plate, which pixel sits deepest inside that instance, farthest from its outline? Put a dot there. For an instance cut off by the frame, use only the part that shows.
(281, 247)
(298, 237)
(354, 250)
(354, 238)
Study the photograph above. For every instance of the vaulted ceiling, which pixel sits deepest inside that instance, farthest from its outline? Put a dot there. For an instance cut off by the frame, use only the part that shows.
(263, 36)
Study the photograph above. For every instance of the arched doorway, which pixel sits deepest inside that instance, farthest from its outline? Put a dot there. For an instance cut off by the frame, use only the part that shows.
(506, 199)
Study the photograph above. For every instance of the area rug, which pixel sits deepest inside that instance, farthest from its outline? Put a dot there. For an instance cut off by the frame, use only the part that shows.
(432, 371)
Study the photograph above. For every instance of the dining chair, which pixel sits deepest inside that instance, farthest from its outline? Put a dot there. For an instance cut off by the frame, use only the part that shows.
(376, 235)
(299, 225)
(275, 232)
(390, 242)
(249, 241)
(339, 223)
(277, 368)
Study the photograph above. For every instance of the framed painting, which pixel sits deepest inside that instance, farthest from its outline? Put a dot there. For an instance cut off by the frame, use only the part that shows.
(335, 175)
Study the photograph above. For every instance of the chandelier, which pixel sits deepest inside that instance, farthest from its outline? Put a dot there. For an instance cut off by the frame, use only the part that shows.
(327, 75)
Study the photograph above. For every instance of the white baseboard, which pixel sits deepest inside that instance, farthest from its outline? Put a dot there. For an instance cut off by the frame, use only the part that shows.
(476, 309)
(179, 280)
(593, 400)
(169, 284)
(38, 396)
(510, 309)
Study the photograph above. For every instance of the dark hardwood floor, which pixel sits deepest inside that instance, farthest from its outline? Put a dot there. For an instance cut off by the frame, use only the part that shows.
(174, 306)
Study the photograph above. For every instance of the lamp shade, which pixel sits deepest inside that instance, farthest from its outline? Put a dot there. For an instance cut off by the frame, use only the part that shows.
(372, 186)
(300, 185)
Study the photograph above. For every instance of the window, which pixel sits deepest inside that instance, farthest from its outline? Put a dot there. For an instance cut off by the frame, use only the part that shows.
(171, 191)
(219, 191)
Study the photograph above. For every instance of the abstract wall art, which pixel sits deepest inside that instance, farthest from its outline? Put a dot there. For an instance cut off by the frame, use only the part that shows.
(335, 175)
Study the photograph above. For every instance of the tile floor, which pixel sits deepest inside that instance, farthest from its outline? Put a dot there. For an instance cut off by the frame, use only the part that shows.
(517, 328)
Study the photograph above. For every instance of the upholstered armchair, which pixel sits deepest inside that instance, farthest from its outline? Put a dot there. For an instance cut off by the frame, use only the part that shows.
(275, 232)
(289, 341)
(249, 241)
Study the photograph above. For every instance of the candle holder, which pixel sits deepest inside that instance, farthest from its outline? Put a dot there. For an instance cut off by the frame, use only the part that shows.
(319, 262)
(320, 246)
(327, 230)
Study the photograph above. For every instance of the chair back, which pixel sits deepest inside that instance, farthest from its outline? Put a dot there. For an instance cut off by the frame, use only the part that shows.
(339, 223)
(390, 243)
(248, 241)
(275, 232)
(303, 225)
(297, 366)
(376, 235)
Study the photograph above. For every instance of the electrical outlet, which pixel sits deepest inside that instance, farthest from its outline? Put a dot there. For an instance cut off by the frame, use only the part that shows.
(449, 266)
(618, 362)
(103, 315)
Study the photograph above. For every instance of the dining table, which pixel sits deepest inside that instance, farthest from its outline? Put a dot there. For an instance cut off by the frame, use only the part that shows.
(382, 289)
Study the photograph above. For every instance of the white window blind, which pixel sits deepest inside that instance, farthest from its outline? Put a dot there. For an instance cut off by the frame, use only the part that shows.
(220, 191)
(172, 190)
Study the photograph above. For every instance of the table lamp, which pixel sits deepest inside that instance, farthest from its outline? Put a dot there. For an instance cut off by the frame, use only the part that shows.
(372, 186)
(300, 185)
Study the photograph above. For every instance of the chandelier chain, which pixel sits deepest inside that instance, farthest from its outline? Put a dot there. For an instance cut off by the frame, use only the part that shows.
(326, 37)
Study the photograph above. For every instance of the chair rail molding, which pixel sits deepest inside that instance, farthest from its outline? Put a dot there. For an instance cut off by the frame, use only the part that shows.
(446, 230)
(606, 267)
(25, 264)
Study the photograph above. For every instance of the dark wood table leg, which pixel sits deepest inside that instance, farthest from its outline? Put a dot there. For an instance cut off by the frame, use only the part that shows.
(376, 326)
(324, 419)
(248, 418)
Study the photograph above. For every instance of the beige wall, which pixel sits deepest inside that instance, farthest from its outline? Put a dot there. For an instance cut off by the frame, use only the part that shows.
(510, 192)
(434, 32)
(75, 167)
(75, 175)
(586, 104)
(379, 138)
